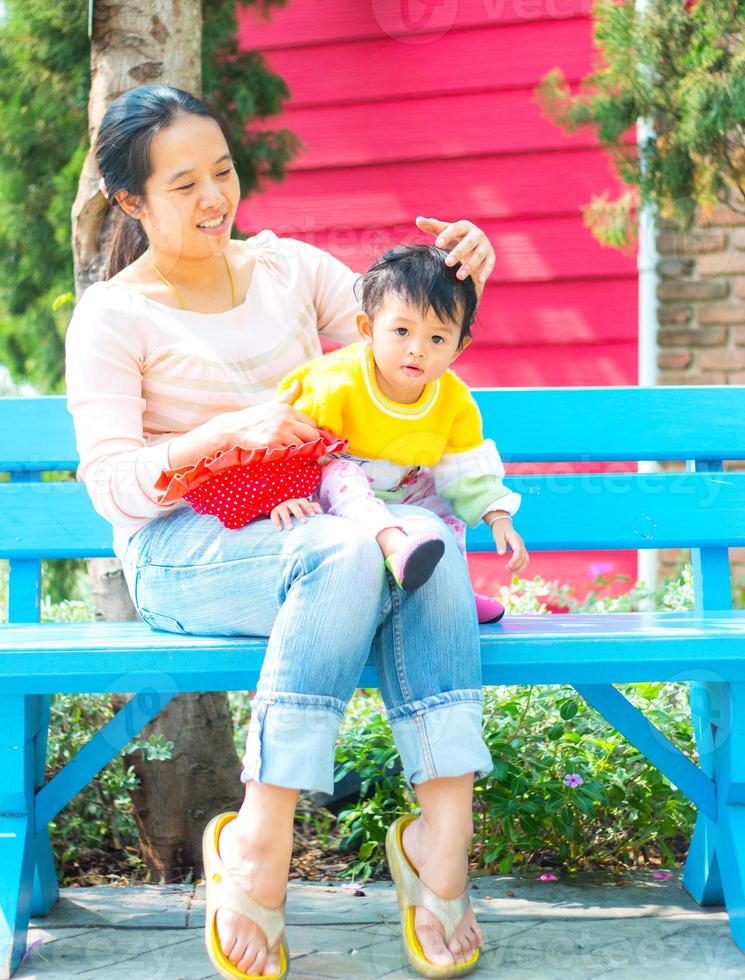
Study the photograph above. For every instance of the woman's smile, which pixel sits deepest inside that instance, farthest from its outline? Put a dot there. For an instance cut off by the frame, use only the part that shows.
(215, 226)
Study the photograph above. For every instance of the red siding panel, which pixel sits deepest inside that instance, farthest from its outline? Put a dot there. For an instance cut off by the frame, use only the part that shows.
(485, 366)
(413, 21)
(488, 186)
(443, 126)
(497, 58)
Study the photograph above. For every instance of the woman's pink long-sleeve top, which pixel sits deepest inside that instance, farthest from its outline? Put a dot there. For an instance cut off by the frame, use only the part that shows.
(139, 373)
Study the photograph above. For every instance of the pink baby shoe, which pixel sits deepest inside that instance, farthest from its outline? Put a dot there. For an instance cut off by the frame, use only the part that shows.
(413, 563)
(489, 610)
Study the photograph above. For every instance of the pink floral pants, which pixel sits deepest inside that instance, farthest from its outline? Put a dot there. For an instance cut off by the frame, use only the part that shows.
(345, 492)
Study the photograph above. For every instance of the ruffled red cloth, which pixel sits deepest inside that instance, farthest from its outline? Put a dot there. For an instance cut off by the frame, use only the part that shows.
(240, 485)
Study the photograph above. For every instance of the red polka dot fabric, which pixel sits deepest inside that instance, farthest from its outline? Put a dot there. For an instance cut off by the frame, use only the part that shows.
(240, 485)
(242, 493)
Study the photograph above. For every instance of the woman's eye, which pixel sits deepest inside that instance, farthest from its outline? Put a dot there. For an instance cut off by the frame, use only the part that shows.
(401, 331)
(188, 187)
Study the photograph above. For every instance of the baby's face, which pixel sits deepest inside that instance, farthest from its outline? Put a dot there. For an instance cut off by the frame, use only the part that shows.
(412, 348)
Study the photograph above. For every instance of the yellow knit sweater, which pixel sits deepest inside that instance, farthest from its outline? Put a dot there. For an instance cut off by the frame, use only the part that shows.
(441, 430)
(340, 392)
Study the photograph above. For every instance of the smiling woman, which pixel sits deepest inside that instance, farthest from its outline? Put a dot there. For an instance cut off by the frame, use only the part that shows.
(176, 357)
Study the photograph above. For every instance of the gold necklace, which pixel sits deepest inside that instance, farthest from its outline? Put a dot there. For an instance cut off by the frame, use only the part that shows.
(170, 285)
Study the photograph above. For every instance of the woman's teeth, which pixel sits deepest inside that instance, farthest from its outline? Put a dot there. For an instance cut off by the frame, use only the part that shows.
(213, 223)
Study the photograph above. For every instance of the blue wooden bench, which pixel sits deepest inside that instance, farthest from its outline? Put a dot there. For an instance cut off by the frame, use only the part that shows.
(702, 508)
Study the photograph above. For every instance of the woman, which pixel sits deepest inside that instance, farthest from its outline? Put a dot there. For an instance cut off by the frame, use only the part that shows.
(174, 357)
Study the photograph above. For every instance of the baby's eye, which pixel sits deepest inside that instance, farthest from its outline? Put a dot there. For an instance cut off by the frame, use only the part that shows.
(438, 339)
(401, 331)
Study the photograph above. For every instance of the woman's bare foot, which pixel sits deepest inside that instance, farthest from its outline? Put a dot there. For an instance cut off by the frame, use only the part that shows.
(441, 861)
(259, 867)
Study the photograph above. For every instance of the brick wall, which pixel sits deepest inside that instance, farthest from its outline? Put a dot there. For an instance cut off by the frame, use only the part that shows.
(701, 315)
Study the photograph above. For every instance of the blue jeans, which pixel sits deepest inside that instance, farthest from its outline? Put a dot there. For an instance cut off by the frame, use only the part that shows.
(321, 594)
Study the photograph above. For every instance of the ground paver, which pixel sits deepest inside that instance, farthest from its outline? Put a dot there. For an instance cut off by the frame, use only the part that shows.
(591, 926)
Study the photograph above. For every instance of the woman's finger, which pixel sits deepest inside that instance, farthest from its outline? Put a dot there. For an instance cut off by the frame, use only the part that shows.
(462, 251)
(488, 267)
(299, 432)
(455, 232)
(305, 419)
(290, 394)
(276, 517)
(432, 225)
(473, 263)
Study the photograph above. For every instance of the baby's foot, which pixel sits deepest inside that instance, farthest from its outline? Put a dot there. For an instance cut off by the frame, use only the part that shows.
(411, 559)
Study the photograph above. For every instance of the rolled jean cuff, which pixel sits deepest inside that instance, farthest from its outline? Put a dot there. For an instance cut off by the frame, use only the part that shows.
(441, 736)
(291, 741)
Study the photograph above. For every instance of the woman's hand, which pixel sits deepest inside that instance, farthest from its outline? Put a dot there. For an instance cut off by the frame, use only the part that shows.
(275, 423)
(467, 244)
(505, 536)
(299, 506)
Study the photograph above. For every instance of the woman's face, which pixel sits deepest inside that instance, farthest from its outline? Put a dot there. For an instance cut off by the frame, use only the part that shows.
(193, 192)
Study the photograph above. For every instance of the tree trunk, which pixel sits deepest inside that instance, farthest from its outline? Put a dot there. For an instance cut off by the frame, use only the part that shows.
(135, 44)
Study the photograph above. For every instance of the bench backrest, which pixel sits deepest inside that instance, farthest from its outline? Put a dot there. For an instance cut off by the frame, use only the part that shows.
(564, 508)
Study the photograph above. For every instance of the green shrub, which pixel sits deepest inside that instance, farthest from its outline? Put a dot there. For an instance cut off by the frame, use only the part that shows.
(621, 809)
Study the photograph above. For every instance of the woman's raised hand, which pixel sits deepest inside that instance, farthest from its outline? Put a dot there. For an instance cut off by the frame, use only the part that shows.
(275, 423)
(467, 244)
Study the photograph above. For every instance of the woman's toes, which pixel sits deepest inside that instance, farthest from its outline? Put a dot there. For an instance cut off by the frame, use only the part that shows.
(433, 946)
(456, 949)
(237, 953)
(253, 960)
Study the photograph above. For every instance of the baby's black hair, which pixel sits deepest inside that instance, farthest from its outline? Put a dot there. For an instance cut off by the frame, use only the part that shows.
(418, 274)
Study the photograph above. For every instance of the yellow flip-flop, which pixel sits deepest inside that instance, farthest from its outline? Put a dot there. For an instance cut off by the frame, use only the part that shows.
(412, 892)
(222, 892)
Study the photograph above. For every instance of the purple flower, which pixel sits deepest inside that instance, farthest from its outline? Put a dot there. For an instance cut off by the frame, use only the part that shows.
(662, 874)
(547, 877)
(354, 887)
(573, 779)
(598, 568)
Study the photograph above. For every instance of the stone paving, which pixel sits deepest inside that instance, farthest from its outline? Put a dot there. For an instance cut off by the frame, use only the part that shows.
(589, 927)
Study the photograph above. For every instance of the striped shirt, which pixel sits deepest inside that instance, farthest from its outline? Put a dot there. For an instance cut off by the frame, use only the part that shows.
(139, 372)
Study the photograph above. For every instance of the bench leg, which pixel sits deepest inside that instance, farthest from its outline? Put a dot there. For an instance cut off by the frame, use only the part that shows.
(19, 725)
(45, 890)
(701, 877)
(715, 869)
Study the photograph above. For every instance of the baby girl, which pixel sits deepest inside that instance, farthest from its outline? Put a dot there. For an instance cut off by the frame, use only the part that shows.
(413, 428)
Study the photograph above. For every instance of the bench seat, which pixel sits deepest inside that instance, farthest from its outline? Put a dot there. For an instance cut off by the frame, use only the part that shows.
(529, 649)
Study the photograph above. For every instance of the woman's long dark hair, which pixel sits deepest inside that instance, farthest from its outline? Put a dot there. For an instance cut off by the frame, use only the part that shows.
(122, 152)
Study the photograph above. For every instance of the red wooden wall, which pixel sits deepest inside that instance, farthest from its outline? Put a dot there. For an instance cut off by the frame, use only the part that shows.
(411, 107)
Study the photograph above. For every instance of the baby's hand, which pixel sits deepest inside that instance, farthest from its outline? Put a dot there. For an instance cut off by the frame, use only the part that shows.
(299, 506)
(505, 536)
